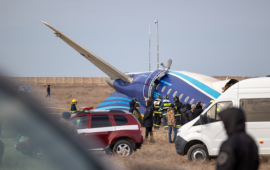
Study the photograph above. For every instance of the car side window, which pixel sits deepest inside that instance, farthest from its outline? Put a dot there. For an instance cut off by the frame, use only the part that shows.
(256, 110)
(100, 121)
(80, 122)
(120, 120)
(212, 114)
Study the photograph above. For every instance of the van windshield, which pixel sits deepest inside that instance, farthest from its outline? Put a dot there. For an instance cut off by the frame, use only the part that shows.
(212, 114)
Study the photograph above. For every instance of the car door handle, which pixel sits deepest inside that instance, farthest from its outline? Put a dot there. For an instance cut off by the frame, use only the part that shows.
(109, 131)
(198, 131)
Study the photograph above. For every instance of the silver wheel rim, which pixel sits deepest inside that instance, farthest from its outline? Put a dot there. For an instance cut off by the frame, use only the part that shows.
(41, 154)
(198, 155)
(123, 150)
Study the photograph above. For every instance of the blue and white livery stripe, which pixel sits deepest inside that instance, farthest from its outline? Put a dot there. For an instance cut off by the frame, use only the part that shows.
(197, 84)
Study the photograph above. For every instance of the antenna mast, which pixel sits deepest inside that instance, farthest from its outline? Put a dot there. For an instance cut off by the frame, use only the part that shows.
(149, 50)
(156, 22)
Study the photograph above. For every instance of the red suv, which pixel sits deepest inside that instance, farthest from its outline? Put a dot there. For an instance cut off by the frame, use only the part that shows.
(118, 132)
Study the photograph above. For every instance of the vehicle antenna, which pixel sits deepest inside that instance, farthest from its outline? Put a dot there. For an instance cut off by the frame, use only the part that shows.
(149, 50)
(156, 22)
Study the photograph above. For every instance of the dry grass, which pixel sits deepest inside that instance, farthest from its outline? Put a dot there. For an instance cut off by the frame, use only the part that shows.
(158, 155)
(162, 156)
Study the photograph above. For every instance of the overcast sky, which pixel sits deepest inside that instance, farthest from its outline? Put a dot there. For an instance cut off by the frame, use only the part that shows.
(218, 38)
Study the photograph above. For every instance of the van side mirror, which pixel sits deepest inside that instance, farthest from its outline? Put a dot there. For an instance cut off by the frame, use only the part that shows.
(201, 120)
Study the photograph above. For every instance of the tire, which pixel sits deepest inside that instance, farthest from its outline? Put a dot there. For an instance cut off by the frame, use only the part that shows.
(198, 154)
(39, 153)
(122, 148)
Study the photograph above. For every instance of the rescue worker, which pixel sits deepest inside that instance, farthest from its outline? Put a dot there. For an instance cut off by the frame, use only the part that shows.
(198, 110)
(177, 105)
(170, 116)
(137, 114)
(132, 104)
(67, 125)
(163, 108)
(239, 151)
(157, 113)
(187, 114)
(49, 91)
(211, 101)
(73, 108)
(148, 120)
(226, 87)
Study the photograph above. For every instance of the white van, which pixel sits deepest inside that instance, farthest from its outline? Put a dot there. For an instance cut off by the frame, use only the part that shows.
(202, 137)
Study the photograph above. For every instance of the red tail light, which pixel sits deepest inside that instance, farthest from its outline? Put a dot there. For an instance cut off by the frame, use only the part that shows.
(139, 126)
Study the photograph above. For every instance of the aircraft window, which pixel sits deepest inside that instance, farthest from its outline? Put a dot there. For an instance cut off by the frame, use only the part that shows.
(180, 97)
(157, 86)
(175, 93)
(169, 91)
(163, 89)
(186, 99)
(203, 106)
(191, 101)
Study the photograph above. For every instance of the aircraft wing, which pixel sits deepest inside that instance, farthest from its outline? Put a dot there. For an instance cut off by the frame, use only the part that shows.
(117, 101)
(108, 69)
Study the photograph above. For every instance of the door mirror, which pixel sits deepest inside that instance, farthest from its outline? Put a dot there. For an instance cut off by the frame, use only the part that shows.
(201, 119)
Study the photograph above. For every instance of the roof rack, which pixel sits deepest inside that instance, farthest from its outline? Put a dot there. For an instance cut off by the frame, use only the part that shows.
(100, 111)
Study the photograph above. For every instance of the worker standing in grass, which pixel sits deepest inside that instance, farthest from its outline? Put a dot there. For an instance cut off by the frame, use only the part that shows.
(177, 105)
(148, 120)
(132, 104)
(163, 108)
(157, 113)
(137, 114)
(73, 106)
(170, 116)
(49, 91)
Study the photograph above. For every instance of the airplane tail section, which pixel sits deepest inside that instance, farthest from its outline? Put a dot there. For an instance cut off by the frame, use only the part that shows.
(108, 69)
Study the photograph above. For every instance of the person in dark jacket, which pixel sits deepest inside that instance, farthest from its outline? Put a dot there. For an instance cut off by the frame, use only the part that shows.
(198, 110)
(178, 106)
(49, 91)
(132, 104)
(67, 125)
(148, 120)
(239, 151)
(187, 114)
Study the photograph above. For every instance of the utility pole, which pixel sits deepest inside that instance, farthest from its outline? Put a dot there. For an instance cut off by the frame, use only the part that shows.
(149, 50)
(156, 22)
